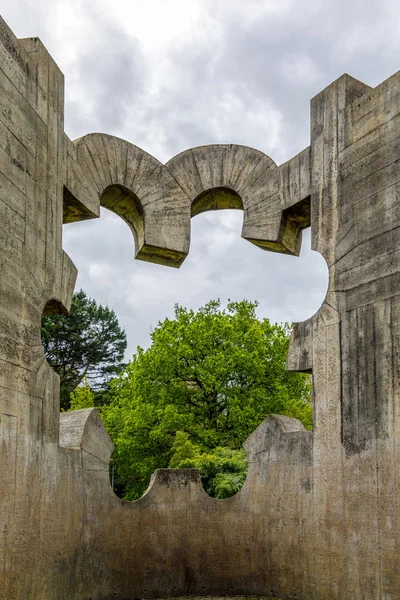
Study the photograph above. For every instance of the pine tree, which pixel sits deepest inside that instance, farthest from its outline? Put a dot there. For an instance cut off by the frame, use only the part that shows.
(87, 343)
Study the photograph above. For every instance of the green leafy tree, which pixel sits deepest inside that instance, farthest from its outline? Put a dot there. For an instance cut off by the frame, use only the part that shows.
(213, 374)
(223, 470)
(86, 343)
(82, 396)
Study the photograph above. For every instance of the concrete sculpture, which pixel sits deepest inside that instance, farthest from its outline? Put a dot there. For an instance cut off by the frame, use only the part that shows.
(318, 517)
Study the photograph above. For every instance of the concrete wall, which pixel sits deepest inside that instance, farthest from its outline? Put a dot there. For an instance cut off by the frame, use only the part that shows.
(318, 516)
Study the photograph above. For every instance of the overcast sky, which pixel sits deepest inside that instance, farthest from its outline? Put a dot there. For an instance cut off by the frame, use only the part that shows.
(168, 75)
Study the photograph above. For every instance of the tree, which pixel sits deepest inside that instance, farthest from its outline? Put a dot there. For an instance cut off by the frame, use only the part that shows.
(214, 375)
(87, 343)
(223, 470)
(82, 396)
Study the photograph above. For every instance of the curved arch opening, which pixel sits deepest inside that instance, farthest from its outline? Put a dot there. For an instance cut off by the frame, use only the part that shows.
(133, 288)
(124, 203)
(53, 311)
(219, 198)
(54, 307)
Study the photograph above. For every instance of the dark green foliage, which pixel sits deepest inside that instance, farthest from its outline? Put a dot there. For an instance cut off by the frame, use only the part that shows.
(87, 343)
(82, 396)
(212, 374)
(223, 470)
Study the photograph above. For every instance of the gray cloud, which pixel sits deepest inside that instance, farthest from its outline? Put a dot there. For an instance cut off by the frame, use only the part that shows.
(208, 71)
(220, 264)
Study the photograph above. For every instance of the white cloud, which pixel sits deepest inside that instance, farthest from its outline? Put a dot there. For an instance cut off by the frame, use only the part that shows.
(159, 25)
(299, 69)
(172, 74)
(220, 264)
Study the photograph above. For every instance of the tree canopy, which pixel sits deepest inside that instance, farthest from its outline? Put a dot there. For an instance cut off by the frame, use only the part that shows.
(210, 376)
(223, 470)
(87, 344)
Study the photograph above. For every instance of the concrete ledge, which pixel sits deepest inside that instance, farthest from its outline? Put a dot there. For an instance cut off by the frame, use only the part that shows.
(83, 430)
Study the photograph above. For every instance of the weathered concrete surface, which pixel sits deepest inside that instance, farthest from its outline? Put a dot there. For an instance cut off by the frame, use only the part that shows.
(318, 516)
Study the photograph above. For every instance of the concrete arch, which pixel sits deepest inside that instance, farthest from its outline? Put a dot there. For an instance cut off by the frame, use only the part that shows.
(137, 187)
(157, 201)
(233, 176)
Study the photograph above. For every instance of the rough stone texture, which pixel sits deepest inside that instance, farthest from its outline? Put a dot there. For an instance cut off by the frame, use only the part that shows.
(318, 516)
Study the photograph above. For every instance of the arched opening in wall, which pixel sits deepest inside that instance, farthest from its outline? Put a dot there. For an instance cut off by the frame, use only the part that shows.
(85, 347)
(216, 199)
(127, 206)
(54, 307)
(220, 265)
(54, 349)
